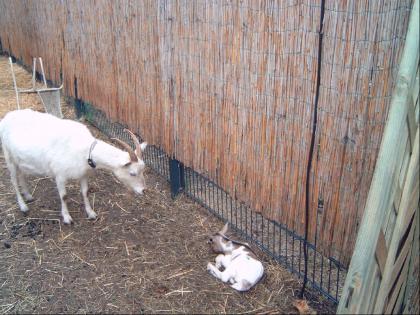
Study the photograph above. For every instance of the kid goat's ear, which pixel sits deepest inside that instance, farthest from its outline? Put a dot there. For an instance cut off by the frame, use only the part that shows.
(225, 228)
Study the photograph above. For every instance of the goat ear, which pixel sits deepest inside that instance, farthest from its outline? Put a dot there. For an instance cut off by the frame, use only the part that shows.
(225, 228)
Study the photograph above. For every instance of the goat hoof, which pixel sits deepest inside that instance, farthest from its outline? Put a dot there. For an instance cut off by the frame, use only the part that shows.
(29, 198)
(92, 216)
(210, 268)
(67, 220)
(24, 209)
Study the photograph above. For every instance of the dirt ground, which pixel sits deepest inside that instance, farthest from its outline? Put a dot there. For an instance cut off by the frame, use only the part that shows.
(142, 255)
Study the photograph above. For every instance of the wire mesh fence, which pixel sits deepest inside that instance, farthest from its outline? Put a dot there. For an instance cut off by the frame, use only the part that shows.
(326, 274)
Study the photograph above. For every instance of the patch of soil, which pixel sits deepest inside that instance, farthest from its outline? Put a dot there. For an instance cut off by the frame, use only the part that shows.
(143, 254)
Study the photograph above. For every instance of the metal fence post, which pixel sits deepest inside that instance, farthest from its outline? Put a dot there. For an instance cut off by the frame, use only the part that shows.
(176, 176)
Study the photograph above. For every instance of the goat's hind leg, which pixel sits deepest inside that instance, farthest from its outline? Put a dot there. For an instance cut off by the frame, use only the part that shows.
(84, 189)
(23, 184)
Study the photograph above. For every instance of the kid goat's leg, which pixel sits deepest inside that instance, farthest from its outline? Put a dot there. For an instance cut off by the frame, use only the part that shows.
(84, 189)
(61, 185)
(225, 276)
(222, 261)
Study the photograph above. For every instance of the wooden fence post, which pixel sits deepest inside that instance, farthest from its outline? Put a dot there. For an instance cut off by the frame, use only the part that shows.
(366, 287)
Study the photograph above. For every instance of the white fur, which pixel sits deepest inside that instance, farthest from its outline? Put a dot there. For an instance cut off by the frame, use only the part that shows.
(241, 269)
(41, 144)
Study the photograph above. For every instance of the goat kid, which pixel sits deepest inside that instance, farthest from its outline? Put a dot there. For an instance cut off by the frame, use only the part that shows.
(242, 269)
(41, 144)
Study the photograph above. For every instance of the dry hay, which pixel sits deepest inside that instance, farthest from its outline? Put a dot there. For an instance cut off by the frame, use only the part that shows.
(142, 255)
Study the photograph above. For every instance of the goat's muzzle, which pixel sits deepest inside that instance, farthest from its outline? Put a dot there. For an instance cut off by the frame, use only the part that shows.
(139, 191)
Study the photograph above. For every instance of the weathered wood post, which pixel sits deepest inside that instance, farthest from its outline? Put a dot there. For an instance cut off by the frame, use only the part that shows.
(379, 262)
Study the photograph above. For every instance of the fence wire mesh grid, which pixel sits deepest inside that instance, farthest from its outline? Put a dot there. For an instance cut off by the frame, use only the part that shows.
(325, 275)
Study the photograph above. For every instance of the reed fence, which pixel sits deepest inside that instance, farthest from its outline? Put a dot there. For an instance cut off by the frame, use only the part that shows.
(228, 87)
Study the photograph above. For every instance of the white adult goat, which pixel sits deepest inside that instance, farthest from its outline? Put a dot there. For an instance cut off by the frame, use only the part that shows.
(41, 144)
(241, 267)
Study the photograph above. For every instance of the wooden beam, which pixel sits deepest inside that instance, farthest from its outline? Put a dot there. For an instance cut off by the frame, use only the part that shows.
(363, 263)
(411, 122)
(390, 272)
(411, 293)
(401, 258)
(401, 279)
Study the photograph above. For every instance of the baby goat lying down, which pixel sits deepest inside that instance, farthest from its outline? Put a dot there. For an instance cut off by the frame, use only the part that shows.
(41, 144)
(242, 269)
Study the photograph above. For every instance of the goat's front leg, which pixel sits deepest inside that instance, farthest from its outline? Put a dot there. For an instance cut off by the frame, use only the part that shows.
(61, 185)
(225, 276)
(84, 189)
(213, 270)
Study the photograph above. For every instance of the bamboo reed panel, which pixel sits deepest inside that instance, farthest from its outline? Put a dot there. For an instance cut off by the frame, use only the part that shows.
(228, 88)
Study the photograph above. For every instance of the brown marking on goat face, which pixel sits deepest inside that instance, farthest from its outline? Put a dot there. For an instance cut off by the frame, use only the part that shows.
(216, 243)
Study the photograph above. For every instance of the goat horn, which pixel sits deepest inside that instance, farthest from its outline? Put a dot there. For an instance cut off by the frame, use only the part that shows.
(133, 156)
(136, 142)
